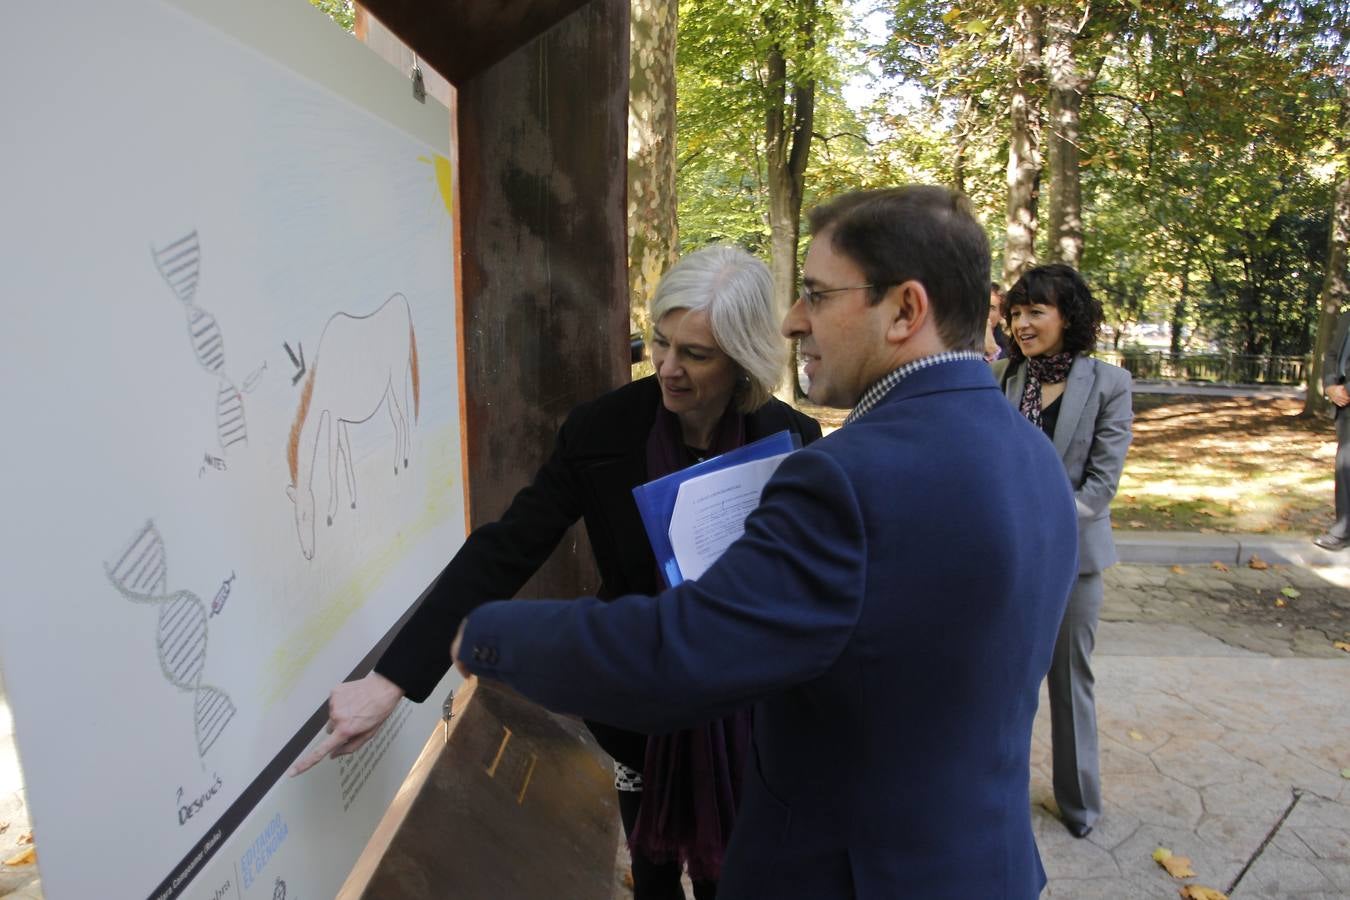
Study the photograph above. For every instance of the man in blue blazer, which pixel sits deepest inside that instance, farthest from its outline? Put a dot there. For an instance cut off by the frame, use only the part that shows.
(890, 610)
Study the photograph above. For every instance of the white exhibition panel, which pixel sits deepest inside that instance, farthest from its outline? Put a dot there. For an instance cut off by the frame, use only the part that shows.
(203, 201)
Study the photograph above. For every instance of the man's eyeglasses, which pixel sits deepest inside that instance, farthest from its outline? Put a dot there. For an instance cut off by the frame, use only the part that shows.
(812, 297)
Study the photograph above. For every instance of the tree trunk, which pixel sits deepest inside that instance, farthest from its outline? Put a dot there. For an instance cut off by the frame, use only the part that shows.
(1336, 280)
(787, 144)
(1179, 308)
(653, 238)
(1067, 86)
(964, 123)
(1069, 80)
(1024, 134)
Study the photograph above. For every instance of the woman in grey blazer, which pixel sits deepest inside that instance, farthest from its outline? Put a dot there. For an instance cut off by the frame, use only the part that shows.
(1084, 407)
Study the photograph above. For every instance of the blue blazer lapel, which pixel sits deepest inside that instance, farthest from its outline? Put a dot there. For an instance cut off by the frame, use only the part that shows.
(1077, 389)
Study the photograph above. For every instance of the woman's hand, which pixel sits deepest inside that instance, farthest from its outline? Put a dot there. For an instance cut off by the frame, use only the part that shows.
(356, 710)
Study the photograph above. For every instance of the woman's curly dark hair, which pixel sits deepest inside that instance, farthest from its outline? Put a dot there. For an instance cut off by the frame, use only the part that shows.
(1060, 286)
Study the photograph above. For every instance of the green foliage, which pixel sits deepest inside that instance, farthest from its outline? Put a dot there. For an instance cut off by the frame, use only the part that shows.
(1202, 151)
(724, 97)
(340, 11)
(1209, 139)
(958, 56)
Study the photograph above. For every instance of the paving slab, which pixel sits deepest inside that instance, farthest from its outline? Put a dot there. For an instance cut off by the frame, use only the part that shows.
(1186, 547)
(1128, 638)
(1244, 754)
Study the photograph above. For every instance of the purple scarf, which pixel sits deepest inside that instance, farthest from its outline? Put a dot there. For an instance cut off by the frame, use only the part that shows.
(1042, 370)
(692, 778)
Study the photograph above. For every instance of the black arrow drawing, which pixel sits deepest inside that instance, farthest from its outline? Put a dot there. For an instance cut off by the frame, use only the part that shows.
(298, 363)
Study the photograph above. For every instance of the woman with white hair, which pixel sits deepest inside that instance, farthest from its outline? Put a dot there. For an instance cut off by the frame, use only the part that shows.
(717, 353)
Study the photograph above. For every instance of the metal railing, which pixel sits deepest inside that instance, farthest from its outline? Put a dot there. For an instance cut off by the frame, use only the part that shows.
(1222, 368)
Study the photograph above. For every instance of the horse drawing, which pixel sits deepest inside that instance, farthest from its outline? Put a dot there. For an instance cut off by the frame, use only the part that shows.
(368, 362)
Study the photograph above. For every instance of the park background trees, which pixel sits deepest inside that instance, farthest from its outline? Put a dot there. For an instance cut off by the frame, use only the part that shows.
(1187, 154)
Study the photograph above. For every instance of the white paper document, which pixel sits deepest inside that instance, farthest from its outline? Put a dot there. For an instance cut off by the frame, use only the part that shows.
(710, 512)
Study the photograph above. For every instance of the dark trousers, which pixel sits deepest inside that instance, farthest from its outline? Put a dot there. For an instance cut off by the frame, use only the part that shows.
(1341, 528)
(653, 880)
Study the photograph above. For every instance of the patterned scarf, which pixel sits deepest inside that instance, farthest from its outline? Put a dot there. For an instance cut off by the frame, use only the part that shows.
(1042, 370)
(691, 778)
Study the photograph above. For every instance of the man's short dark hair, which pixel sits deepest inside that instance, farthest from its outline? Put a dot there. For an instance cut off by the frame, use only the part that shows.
(1062, 287)
(922, 233)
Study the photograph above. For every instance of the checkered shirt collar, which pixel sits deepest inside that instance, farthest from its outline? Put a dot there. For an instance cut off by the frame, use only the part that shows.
(874, 394)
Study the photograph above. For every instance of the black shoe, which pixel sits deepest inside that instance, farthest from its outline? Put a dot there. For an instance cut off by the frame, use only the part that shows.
(1331, 542)
(1078, 829)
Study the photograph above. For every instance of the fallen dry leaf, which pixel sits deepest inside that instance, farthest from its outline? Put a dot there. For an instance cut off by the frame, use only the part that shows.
(1176, 866)
(1257, 562)
(1136, 735)
(1220, 566)
(1178, 570)
(1136, 524)
(1341, 645)
(1279, 602)
(1179, 867)
(1200, 892)
(23, 858)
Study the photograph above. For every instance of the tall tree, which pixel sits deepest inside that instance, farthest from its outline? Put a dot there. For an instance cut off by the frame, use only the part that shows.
(1208, 119)
(1078, 37)
(1024, 141)
(1335, 294)
(653, 235)
(789, 114)
(751, 74)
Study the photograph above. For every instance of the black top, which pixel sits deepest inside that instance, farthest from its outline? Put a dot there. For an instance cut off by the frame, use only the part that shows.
(1050, 416)
(599, 456)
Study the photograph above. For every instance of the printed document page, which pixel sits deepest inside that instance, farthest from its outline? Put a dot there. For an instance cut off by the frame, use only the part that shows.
(710, 512)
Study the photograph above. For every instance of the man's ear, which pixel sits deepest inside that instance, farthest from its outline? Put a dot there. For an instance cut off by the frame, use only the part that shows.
(910, 310)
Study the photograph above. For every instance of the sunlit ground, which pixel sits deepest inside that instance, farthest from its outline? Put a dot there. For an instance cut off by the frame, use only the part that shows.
(1218, 464)
(1225, 464)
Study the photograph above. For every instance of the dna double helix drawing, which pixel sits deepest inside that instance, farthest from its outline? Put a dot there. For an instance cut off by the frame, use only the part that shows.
(180, 265)
(141, 574)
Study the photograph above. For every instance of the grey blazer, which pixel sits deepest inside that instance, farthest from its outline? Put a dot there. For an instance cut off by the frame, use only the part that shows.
(1336, 360)
(1091, 436)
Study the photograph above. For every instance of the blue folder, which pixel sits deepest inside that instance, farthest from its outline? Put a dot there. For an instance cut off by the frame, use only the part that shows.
(656, 499)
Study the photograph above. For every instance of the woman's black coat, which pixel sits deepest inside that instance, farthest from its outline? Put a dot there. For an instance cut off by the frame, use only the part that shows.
(599, 457)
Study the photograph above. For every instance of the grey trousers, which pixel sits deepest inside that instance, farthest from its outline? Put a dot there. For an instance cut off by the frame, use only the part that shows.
(1341, 528)
(1073, 711)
